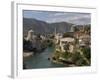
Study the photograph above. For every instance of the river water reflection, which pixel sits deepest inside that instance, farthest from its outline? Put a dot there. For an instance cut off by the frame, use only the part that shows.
(40, 60)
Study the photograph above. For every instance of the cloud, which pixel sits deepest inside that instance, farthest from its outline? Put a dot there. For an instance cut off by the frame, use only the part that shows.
(51, 16)
(76, 18)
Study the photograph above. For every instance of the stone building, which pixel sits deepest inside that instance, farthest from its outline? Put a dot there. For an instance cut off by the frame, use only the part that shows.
(67, 44)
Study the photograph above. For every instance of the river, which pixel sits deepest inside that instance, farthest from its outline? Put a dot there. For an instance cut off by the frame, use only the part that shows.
(40, 60)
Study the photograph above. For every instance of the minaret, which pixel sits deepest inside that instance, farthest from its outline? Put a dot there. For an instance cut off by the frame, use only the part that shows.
(55, 31)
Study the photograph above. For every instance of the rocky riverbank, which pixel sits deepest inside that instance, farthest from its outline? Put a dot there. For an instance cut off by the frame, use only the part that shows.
(28, 54)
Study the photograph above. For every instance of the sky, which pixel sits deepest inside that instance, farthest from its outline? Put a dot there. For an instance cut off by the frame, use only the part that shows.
(52, 16)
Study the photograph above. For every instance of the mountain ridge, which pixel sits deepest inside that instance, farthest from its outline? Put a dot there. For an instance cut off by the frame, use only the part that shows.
(42, 27)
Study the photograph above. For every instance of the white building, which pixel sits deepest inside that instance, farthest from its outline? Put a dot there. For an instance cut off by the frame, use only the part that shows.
(84, 40)
(30, 36)
(58, 36)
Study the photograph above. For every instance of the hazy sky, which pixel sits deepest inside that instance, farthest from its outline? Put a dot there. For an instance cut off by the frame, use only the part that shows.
(51, 17)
